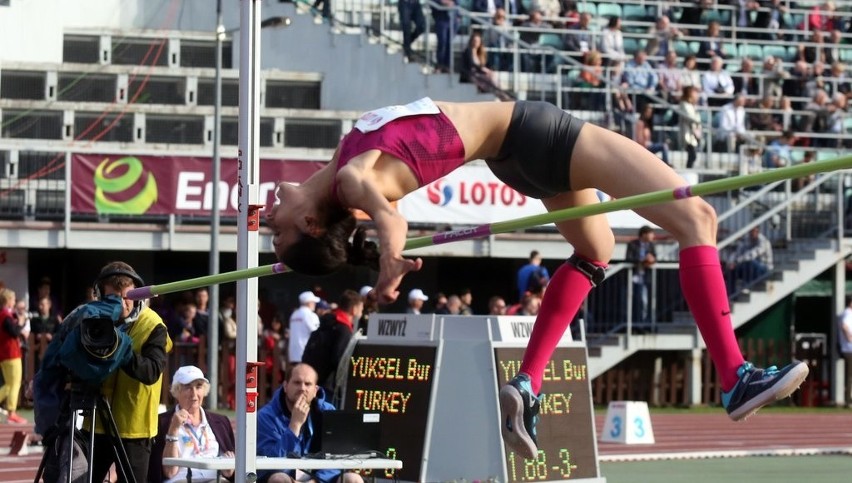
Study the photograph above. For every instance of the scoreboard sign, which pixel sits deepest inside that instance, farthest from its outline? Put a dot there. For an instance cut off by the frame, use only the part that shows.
(565, 433)
(395, 381)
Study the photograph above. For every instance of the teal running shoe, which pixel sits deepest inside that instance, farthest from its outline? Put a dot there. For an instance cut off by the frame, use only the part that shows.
(758, 387)
(519, 409)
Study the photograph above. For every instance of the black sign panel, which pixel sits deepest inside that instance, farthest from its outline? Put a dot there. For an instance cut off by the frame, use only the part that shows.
(566, 439)
(395, 381)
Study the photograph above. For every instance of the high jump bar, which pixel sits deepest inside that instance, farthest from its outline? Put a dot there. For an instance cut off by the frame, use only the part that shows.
(481, 231)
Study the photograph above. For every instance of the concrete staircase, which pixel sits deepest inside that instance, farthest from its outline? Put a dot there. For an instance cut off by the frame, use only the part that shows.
(358, 72)
(799, 262)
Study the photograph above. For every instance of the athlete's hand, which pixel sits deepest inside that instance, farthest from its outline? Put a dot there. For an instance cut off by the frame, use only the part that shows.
(392, 269)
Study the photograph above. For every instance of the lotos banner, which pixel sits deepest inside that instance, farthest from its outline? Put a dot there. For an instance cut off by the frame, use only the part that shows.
(160, 185)
(472, 195)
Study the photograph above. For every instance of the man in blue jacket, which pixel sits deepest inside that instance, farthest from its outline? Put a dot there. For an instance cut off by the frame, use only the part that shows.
(286, 427)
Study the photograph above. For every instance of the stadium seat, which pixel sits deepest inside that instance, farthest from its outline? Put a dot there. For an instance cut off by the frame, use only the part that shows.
(630, 45)
(551, 40)
(683, 48)
(606, 10)
(752, 51)
(466, 4)
(587, 7)
(777, 51)
(846, 55)
(634, 12)
(709, 15)
(847, 125)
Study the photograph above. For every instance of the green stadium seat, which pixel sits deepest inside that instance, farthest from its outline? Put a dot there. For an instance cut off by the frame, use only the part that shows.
(631, 44)
(587, 7)
(634, 12)
(683, 48)
(847, 125)
(846, 55)
(777, 51)
(466, 4)
(708, 16)
(752, 51)
(606, 10)
(551, 40)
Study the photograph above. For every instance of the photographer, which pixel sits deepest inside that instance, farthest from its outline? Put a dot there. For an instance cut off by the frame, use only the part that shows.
(130, 379)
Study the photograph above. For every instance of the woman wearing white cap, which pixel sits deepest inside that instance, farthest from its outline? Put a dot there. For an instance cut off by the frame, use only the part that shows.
(188, 431)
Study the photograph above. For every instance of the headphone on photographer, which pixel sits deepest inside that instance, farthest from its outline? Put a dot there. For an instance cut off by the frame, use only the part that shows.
(138, 305)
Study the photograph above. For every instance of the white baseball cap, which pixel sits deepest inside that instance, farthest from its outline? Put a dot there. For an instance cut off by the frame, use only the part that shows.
(189, 374)
(365, 290)
(417, 294)
(308, 296)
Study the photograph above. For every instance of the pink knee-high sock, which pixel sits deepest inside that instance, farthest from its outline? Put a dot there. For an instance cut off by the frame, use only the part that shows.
(704, 290)
(565, 292)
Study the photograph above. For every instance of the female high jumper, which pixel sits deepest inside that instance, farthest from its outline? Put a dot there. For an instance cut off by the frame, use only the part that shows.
(544, 153)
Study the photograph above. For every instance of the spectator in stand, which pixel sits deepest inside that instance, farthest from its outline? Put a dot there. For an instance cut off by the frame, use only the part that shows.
(445, 29)
(44, 290)
(800, 183)
(371, 305)
(670, 78)
(530, 305)
(690, 124)
(581, 39)
(821, 109)
(530, 34)
(498, 42)
(764, 119)
(771, 19)
(692, 12)
(794, 86)
(474, 68)
(644, 133)
(691, 76)
(621, 102)
(591, 76)
(717, 84)
(496, 305)
(569, 12)
(612, 41)
(831, 52)
(466, 298)
(836, 116)
(745, 80)
(416, 298)
(772, 77)
(817, 80)
(821, 18)
(550, 9)
(642, 254)
(532, 276)
(640, 77)
(779, 152)
(732, 131)
(813, 50)
(751, 260)
(410, 11)
(839, 79)
(711, 46)
(303, 321)
(663, 37)
(274, 342)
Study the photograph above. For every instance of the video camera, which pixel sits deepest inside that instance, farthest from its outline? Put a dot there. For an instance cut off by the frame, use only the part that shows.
(95, 346)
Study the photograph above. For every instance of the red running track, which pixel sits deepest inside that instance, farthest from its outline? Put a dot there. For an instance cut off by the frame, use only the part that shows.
(675, 434)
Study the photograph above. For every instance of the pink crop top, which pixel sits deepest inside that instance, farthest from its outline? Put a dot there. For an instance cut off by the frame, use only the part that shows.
(427, 143)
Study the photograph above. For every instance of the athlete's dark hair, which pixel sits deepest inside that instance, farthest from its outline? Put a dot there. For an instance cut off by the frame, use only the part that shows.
(331, 251)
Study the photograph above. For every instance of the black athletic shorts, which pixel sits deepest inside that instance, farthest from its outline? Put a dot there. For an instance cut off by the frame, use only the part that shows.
(535, 157)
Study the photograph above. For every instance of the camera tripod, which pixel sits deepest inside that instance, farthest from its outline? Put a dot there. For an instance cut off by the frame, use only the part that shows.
(91, 403)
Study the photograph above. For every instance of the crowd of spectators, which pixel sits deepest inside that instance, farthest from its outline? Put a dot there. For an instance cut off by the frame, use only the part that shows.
(744, 96)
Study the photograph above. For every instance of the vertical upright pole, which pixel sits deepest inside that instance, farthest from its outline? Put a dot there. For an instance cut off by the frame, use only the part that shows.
(247, 238)
(213, 308)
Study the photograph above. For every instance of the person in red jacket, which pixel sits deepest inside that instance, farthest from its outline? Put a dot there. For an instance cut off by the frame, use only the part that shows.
(10, 357)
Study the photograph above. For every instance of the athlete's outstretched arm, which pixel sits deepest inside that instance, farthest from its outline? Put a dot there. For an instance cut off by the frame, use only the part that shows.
(356, 191)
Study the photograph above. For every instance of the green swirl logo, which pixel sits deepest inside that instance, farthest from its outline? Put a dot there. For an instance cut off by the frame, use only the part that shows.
(108, 184)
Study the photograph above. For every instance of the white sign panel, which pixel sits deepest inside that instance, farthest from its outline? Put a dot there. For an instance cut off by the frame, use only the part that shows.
(472, 195)
(401, 327)
(519, 328)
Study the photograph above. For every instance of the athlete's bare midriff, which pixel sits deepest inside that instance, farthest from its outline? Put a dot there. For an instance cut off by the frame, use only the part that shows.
(482, 126)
